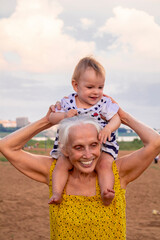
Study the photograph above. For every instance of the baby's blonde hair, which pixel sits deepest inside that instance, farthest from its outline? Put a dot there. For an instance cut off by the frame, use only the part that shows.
(88, 62)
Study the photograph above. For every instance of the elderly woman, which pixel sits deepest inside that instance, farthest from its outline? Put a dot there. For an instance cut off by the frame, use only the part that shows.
(82, 215)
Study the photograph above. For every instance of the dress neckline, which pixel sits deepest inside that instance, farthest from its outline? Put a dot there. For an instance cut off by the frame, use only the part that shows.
(82, 196)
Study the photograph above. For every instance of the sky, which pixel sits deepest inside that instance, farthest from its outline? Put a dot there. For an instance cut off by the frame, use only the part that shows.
(41, 42)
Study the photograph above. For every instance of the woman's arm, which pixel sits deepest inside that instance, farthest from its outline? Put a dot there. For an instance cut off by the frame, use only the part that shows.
(132, 166)
(32, 165)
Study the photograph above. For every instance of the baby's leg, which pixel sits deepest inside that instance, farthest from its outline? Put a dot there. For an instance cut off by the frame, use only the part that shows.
(106, 177)
(59, 178)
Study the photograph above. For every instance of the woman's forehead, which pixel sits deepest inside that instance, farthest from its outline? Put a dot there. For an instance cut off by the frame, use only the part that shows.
(83, 131)
(82, 127)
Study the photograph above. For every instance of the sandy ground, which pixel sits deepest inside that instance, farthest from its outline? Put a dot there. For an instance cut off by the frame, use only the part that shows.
(24, 210)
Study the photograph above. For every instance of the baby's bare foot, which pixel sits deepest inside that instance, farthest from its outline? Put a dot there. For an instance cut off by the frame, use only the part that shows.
(56, 198)
(107, 196)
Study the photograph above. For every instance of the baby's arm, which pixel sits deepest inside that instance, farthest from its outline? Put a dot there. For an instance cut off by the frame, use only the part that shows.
(113, 125)
(56, 117)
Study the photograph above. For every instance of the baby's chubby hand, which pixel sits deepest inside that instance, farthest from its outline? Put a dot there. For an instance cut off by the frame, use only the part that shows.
(104, 134)
(71, 113)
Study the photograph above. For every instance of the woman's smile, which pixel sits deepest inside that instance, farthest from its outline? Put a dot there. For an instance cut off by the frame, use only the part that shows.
(86, 163)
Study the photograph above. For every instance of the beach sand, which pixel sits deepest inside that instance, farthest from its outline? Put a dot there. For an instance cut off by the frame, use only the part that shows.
(24, 211)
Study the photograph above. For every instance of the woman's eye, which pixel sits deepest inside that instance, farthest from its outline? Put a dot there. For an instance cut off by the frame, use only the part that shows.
(78, 148)
(94, 144)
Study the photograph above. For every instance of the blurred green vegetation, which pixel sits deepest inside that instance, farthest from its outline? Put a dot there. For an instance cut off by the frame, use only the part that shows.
(40, 144)
(3, 159)
(129, 146)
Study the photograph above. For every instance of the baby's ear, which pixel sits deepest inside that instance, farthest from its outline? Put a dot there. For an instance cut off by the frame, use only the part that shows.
(74, 85)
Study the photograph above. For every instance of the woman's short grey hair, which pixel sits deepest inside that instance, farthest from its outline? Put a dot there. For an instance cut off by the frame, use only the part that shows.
(67, 123)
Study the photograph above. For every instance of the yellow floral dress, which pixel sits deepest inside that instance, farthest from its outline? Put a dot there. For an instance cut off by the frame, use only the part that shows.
(81, 217)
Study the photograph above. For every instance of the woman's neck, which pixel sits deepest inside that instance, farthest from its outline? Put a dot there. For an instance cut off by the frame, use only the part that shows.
(81, 183)
(81, 175)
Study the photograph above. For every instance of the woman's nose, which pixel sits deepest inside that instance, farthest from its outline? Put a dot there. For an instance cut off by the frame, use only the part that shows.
(87, 153)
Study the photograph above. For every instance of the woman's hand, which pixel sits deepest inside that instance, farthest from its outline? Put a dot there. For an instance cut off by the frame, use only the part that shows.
(57, 105)
(52, 109)
(113, 101)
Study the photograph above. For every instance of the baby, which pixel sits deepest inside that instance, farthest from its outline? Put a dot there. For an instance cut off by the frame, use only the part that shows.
(88, 82)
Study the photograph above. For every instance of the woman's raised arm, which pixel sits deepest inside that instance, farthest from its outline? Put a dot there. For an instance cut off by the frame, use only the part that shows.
(32, 165)
(131, 166)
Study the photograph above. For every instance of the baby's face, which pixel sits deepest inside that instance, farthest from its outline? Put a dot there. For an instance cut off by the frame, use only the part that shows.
(89, 88)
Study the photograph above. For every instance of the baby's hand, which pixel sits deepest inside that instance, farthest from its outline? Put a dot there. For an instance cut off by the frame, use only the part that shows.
(71, 113)
(104, 134)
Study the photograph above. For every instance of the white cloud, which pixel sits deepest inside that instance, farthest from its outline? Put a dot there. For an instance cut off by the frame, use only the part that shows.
(137, 38)
(34, 34)
(86, 23)
(43, 50)
(71, 28)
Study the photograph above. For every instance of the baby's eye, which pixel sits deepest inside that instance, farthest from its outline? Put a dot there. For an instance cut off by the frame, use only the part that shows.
(101, 87)
(89, 87)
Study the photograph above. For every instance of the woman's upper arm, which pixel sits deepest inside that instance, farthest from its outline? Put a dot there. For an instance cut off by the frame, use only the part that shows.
(133, 165)
(34, 166)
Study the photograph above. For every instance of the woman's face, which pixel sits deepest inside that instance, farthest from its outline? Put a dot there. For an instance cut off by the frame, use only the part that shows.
(83, 147)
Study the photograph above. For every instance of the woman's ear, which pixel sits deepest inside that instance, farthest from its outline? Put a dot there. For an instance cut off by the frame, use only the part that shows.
(64, 151)
(75, 85)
